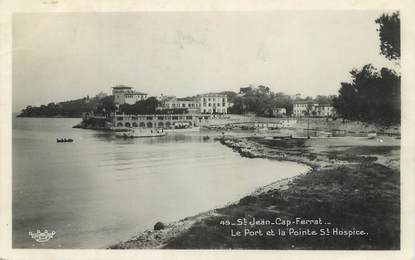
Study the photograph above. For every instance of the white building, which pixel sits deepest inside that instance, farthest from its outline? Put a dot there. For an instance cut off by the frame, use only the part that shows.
(126, 95)
(192, 105)
(279, 112)
(213, 103)
(206, 104)
(301, 107)
(324, 110)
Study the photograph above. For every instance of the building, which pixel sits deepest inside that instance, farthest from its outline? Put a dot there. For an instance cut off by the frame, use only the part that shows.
(324, 110)
(300, 107)
(191, 104)
(213, 103)
(279, 112)
(159, 120)
(126, 95)
(303, 107)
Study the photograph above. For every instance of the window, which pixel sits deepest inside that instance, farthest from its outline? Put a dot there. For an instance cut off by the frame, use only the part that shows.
(210, 104)
(218, 104)
(149, 118)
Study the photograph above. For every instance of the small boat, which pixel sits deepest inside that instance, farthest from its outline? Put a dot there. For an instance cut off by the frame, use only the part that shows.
(64, 140)
(140, 133)
(371, 135)
(263, 129)
(119, 129)
(282, 137)
(187, 129)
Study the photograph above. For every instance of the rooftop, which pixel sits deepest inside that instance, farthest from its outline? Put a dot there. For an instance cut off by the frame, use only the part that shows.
(304, 101)
(139, 93)
(212, 95)
(122, 87)
(324, 105)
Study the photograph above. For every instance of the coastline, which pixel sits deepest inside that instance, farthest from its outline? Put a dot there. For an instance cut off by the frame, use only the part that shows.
(325, 158)
(157, 239)
(57, 116)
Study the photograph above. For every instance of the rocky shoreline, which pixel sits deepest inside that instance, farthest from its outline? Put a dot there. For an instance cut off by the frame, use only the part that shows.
(326, 158)
(157, 239)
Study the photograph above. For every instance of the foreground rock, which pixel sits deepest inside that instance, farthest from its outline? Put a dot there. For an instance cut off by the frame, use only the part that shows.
(153, 239)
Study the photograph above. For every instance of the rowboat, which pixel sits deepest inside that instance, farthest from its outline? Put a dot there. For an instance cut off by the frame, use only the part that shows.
(64, 140)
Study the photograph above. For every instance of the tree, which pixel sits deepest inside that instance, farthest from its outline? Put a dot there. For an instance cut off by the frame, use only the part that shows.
(390, 35)
(71, 108)
(105, 106)
(372, 96)
(260, 101)
(147, 106)
(320, 99)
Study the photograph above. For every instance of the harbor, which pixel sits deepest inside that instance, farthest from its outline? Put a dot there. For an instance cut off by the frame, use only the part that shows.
(149, 179)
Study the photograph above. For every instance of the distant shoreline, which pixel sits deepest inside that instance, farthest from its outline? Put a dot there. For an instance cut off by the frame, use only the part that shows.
(59, 116)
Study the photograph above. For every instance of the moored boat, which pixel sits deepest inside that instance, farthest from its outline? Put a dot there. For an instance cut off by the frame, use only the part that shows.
(64, 140)
(187, 129)
(372, 135)
(140, 133)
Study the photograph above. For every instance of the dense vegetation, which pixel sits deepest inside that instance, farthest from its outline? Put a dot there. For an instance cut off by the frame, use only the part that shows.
(260, 101)
(390, 35)
(374, 95)
(147, 106)
(72, 108)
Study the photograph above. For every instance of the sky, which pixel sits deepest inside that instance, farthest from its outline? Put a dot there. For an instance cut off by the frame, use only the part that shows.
(63, 56)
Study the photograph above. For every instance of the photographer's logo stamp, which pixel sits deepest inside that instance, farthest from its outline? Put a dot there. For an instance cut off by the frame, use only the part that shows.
(42, 237)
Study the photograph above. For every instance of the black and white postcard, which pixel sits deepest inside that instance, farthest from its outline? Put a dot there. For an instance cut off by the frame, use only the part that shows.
(260, 129)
